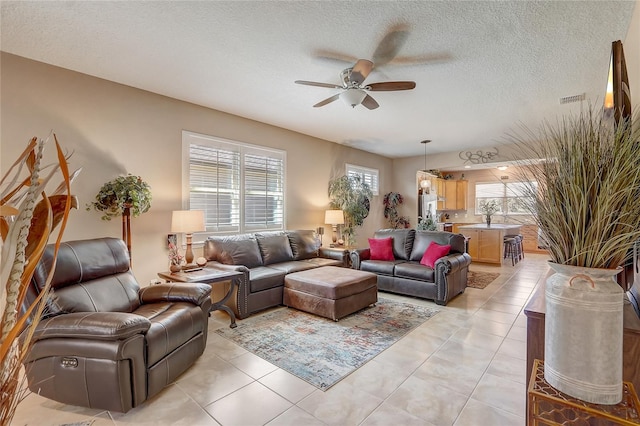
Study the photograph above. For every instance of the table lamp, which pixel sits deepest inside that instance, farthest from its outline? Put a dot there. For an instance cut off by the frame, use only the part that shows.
(334, 218)
(188, 222)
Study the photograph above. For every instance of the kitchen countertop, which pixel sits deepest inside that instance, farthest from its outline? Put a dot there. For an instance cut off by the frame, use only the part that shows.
(496, 226)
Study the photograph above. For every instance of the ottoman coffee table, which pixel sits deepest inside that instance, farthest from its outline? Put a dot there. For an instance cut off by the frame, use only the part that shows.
(330, 291)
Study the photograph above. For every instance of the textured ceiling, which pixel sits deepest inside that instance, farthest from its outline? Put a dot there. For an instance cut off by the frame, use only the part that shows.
(480, 67)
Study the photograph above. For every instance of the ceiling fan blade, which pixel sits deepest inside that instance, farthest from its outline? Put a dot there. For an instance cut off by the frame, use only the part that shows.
(432, 58)
(369, 103)
(391, 85)
(314, 83)
(361, 70)
(335, 57)
(327, 101)
(391, 44)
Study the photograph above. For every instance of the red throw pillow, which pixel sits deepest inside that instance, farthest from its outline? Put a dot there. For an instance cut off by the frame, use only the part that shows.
(381, 248)
(434, 252)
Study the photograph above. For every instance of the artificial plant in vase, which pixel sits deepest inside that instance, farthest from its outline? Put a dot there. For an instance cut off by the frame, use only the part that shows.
(28, 215)
(123, 196)
(353, 196)
(391, 201)
(489, 208)
(585, 198)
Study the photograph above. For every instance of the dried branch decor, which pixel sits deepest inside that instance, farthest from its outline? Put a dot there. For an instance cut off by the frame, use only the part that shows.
(28, 215)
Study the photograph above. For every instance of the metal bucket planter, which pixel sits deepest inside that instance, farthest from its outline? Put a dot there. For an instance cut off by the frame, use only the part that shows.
(583, 333)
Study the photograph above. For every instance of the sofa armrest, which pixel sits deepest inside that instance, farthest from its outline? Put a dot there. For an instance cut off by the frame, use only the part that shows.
(92, 325)
(332, 253)
(359, 255)
(196, 293)
(453, 262)
(451, 276)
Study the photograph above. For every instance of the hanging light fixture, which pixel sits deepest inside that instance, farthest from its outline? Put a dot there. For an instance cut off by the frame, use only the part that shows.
(425, 183)
(353, 97)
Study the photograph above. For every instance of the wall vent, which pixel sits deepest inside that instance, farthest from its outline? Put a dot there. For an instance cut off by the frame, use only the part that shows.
(572, 99)
(504, 177)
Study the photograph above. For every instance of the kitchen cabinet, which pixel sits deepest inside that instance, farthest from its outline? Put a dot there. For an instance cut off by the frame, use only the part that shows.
(530, 238)
(455, 194)
(461, 194)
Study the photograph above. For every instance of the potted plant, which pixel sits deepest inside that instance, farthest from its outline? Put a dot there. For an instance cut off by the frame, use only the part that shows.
(353, 196)
(585, 198)
(489, 207)
(427, 224)
(123, 196)
(391, 202)
(124, 192)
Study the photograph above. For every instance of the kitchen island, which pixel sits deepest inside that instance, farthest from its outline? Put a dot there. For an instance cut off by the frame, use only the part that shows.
(486, 242)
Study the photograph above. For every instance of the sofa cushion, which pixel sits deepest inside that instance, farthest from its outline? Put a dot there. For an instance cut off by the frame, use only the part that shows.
(384, 267)
(292, 266)
(434, 252)
(304, 244)
(264, 277)
(381, 248)
(424, 238)
(234, 250)
(274, 248)
(415, 271)
(402, 241)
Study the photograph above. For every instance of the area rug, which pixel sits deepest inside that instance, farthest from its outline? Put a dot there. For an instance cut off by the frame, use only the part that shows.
(477, 279)
(321, 351)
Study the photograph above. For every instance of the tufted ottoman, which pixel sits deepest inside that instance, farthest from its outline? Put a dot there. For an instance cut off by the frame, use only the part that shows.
(330, 291)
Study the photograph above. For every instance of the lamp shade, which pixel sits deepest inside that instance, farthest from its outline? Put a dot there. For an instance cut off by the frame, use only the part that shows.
(187, 221)
(353, 97)
(334, 217)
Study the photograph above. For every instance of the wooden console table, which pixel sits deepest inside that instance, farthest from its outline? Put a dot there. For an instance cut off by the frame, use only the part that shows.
(535, 312)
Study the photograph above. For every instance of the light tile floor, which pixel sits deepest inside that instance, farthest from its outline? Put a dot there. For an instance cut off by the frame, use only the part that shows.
(465, 366)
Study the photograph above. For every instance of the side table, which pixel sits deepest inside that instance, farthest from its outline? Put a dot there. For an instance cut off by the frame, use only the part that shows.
(549, 406)
(208, 276)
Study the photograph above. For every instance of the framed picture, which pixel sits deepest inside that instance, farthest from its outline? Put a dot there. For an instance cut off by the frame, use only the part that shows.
(172, 239)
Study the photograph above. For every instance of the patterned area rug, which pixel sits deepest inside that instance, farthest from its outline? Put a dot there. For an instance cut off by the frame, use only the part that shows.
(480, 279)
(321, 351)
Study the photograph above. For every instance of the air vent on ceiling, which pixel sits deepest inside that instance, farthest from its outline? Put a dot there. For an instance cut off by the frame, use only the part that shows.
(571, 99)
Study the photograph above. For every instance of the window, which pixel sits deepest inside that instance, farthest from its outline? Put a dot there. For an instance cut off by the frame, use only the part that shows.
(369, 176)
(240, 187)
(510, 196)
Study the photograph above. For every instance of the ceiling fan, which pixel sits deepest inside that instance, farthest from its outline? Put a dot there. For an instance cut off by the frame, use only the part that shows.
(354, 92)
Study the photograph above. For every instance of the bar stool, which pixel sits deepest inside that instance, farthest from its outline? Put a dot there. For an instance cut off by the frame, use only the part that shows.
(519, 245)
(510, 249)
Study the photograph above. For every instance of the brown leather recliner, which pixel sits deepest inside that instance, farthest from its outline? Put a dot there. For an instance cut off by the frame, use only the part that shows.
(105, 343)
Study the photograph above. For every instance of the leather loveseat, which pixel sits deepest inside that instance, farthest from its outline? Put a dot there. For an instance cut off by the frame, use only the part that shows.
(405, 275)
(104, 342)
(265, 258)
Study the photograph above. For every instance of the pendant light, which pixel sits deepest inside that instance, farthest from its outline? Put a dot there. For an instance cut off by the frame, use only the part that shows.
(425, 183)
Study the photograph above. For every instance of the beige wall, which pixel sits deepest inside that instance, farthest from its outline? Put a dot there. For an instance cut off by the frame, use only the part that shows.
(631, 46)
(114, 129)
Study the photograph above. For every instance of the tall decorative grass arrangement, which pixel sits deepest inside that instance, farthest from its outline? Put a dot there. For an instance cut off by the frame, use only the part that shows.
(28, 215)
(587, 198)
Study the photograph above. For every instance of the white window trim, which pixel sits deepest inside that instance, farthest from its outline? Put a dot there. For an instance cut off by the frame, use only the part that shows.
(189, 137)
(361, 170)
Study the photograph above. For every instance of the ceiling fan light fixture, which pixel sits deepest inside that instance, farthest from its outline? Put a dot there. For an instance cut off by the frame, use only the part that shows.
(353, 97)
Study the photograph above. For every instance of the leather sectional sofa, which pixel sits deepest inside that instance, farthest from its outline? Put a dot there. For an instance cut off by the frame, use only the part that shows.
(103, 342)
(405, 275)
(264, 258)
